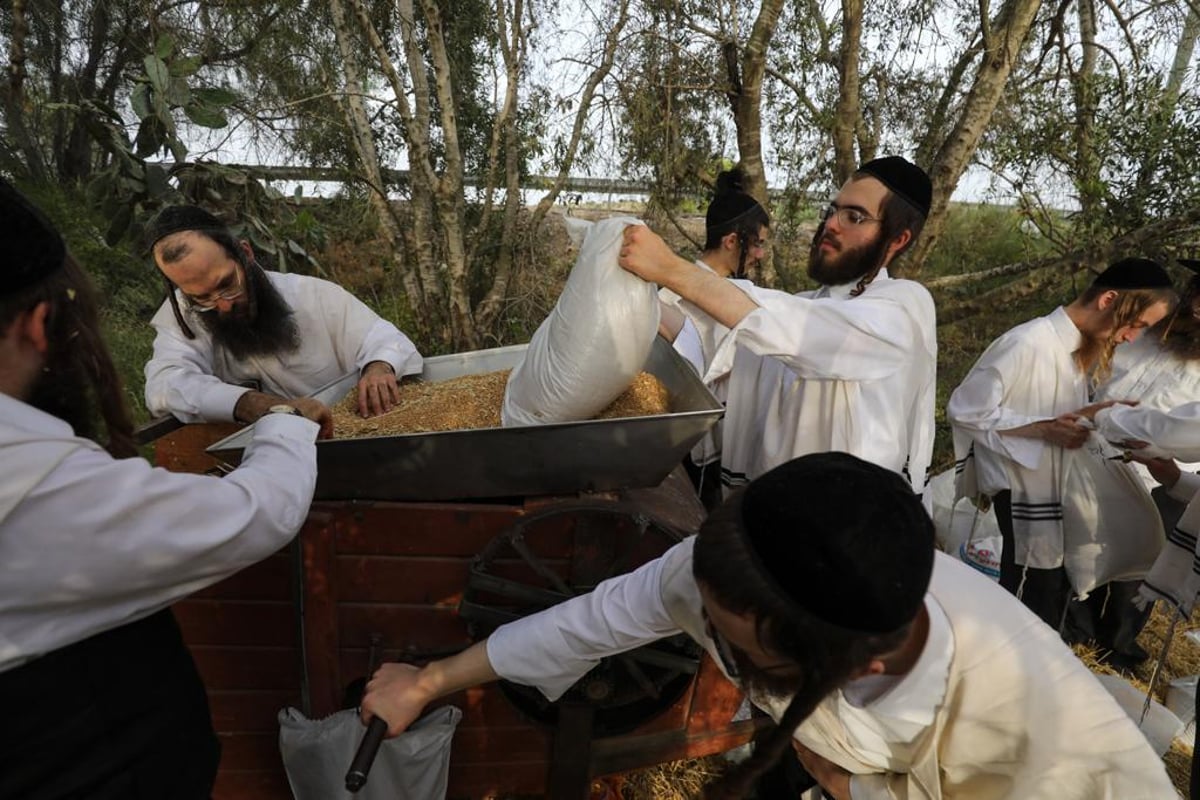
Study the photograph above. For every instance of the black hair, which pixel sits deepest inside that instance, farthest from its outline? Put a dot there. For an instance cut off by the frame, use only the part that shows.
(734, 210)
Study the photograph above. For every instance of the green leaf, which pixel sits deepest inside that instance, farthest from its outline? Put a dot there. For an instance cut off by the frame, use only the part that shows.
(156, 71)
(298, 192)
(216, 96)
(178, 93)
(205, 115)
(140, 100)
(150, 137)
(183, 67)
(118, 226)
(296, 248)
(156, 181)
(164, 46)
(178, 150)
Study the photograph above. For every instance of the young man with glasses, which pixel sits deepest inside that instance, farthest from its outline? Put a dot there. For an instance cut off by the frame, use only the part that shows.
(891, 671)
(227, 323)
(848, 367)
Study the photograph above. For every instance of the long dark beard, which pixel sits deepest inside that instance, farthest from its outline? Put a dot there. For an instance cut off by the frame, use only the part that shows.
(266, 325)
(846, 265)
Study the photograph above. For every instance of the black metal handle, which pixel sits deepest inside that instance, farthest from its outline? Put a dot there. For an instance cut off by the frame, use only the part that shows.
(356, 776)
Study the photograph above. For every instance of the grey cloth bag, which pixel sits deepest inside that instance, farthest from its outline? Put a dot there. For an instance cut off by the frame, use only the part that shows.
(413, 766)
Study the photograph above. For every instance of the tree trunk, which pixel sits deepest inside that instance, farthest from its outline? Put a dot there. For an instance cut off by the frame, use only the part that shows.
(14, 97)
(363, 139)
(848, 113)
(1003, 43)
(1088, 185)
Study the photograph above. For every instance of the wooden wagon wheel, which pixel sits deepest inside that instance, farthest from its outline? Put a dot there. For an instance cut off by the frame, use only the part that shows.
(562, 551)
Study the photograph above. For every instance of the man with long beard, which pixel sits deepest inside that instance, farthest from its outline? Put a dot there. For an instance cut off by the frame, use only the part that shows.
(1016, 416)
(849, 367)
(101, 698)
(228, 326)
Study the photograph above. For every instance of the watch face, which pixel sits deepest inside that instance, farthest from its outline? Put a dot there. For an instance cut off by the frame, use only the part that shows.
(283, 409)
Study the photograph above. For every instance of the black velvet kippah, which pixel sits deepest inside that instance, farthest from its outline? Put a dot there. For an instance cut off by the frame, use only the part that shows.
(848, 541)
(174, 219)
(1134, 273)
(730, 202)
(33, 247)
(904, 178)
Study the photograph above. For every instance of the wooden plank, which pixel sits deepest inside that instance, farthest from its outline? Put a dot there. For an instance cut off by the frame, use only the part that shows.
(228, 667)
(270, 579)
(321, 628)
(424, 529)
(479, 781)
(245, 711)
(250, 751)
(413, 628)
(422, 581)
(182, 450)
(215, 622)
(252, 785)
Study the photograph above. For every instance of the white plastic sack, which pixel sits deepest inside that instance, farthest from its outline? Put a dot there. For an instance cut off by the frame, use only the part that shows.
(1159, 727)
(1181, 700)
(593, 344)
(317, 754)
(963, 530)
(1111, 528)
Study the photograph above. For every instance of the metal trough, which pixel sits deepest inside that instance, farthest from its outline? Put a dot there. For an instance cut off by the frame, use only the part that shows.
(559, 458)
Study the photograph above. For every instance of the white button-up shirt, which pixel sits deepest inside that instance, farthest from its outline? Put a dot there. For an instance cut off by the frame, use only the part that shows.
(89, 542)
(196, 381)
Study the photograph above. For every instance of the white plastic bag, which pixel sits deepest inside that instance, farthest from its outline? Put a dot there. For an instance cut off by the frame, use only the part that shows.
(594, 342)
(317, 754)
(1159, 727)
(963, 530)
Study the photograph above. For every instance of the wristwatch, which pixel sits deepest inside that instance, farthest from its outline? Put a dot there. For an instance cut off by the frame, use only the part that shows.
(284, 408)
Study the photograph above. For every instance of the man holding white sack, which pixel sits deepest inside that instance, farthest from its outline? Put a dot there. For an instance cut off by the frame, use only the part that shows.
(1018, 441)
(849, 367)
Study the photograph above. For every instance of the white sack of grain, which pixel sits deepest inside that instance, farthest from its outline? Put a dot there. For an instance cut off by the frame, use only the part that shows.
(593, 344)
(1181, 699)
(1160, 727)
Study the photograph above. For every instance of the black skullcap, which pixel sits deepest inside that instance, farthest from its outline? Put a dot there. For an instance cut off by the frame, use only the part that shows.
(846, 540)
(904, 178)
(1134, 273)
(174, 219)
(34, 250)
(1190, 263)
(730, 202)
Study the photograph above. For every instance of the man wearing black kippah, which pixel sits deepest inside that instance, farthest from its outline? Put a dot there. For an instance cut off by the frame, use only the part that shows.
(849, 367)
(101, 699)
(1019, 439)
(891, 670)
(737, 229)
(228, 325)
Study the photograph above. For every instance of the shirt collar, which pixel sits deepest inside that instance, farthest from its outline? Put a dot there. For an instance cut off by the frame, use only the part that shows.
(19, 414)
(704, 266)
(842, 290)
(915, 696)
(1065, 329)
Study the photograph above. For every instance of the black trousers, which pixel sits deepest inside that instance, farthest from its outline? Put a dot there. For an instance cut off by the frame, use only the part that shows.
(1107, 617)
(120, 716)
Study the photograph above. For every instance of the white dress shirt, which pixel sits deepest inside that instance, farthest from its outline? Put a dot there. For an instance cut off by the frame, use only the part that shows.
(996, 706)
(812, 374)
(196, 381)
(89, 542)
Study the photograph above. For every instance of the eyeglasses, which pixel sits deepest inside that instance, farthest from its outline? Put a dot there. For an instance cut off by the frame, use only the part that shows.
(847, 217)
(209, 303)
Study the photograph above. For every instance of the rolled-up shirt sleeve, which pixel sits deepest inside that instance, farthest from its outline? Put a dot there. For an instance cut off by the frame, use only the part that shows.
(553, 649)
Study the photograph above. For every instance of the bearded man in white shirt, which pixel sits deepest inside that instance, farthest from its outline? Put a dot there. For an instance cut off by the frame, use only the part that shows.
(227, 324)
(891, 670)
(101, 698)
(1017, 413)
(850, 367)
